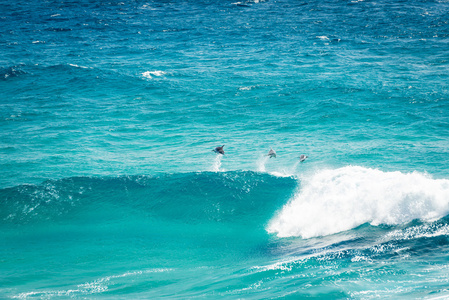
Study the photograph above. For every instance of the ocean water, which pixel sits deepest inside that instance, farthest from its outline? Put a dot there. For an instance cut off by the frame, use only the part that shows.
(110, 110)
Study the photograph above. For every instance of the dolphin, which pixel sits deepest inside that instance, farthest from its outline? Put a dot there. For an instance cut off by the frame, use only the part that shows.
(302, 157)
(219, 150)
(271, 153)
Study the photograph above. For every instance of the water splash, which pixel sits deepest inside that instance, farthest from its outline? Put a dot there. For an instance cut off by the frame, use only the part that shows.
(261, 162)
(217, 163)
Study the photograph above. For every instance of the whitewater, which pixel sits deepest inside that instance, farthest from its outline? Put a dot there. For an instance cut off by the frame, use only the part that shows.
(332, 201)
(110, 112)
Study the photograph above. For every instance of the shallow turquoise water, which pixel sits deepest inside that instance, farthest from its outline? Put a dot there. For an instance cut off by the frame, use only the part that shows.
(109, 112)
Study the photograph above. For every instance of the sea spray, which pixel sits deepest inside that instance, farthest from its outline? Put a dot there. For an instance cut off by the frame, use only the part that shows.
(261, 162)
(295, 166)
(275, 171)
(216, 164)
(332, 201)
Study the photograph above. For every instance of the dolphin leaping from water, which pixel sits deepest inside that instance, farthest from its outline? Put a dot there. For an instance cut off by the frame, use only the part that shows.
(271, 153)
(219, 150)
(302, 157)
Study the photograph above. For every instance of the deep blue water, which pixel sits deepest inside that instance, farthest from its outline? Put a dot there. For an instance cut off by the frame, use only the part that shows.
(109, 112)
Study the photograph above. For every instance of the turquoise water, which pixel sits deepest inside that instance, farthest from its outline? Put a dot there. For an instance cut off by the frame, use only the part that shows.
(109, 112)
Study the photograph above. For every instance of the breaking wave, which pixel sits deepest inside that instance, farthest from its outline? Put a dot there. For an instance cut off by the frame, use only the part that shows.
(332, 201)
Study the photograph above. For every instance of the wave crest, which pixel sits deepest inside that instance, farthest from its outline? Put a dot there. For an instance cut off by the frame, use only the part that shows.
(332, 201)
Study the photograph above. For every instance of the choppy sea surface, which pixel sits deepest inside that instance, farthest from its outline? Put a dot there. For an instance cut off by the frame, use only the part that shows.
(110, 110)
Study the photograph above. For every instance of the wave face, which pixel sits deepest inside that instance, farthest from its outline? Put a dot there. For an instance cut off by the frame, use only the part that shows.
(133, 228)
(224, 233)
(189, 198)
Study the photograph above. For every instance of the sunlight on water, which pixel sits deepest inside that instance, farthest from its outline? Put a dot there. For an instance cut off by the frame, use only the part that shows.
(109, 111)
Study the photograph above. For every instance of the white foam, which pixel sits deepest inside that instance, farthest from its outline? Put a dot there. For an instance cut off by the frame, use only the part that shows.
(246, 88)
(77, 66)
(148, 74)
(332, 201)
(283, 173)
